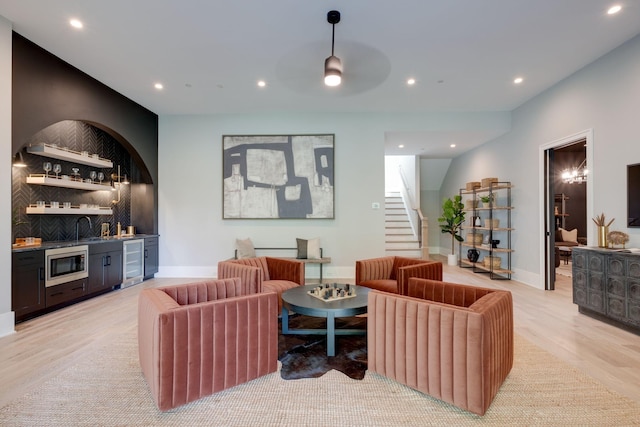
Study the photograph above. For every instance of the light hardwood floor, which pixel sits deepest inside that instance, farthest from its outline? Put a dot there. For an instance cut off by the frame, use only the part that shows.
(43, 347)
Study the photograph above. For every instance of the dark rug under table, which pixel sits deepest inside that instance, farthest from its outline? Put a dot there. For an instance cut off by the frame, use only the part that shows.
(305, 356)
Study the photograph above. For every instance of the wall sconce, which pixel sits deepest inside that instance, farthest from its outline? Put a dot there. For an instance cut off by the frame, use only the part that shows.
(18, 160)
(119, 178)
(116, 182)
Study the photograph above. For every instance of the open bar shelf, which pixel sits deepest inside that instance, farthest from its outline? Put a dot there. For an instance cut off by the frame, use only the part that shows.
(52, 181)
(59, 153)
(74, 210)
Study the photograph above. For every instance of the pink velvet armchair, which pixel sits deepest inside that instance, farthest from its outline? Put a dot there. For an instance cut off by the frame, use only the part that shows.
(265, 274)
(391, 273)
(201, 338)
(450, 341)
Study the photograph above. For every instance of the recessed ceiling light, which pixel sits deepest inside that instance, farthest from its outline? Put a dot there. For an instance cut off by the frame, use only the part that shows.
(75, 23)
(401, 146)
(262, 83)
(453, 146)
(411, 81)
(614, 9)
(158, 86)
(518, 80)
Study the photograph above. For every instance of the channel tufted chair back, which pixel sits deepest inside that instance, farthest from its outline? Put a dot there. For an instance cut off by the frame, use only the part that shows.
(265, 274)
(201, 338)
(392, 273)
(453, 342)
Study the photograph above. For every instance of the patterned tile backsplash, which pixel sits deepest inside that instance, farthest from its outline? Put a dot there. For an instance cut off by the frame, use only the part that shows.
(77, 136)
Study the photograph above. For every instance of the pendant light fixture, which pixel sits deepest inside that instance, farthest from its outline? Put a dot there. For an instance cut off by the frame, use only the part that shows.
(333, 65)
(576, 175)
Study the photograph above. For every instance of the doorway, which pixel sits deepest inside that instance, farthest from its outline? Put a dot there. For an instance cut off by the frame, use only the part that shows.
(567, 202)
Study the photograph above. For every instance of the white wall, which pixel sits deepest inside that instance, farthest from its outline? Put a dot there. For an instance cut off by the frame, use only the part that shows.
(410, 169)
(392, 180)
(6, 315)
(193, 235)
(432, 173)
(605, 97)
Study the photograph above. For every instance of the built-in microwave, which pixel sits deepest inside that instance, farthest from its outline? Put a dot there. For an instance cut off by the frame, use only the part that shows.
(66, 264)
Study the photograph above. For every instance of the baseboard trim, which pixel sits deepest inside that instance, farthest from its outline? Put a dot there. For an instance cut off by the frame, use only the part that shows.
(7, 323)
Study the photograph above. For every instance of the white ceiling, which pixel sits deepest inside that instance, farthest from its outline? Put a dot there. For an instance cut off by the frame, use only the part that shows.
(209, 54)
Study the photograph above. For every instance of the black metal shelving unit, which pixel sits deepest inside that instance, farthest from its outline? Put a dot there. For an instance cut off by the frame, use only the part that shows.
(498, 209)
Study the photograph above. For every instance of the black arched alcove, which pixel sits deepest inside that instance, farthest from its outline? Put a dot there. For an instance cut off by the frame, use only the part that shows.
(53, 99)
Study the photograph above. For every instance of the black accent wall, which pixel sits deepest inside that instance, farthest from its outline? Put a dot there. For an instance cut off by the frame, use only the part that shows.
(47, 90)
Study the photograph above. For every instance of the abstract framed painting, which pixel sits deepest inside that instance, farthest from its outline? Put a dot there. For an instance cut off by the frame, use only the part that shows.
(278, 176)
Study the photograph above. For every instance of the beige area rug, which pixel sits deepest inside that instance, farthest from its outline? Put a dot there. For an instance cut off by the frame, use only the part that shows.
(109, 390)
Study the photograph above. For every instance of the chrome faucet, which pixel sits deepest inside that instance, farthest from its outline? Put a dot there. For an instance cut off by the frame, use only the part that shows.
(78, 225)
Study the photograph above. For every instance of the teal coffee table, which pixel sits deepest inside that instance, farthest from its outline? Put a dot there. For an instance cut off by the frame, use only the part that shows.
(298, 300)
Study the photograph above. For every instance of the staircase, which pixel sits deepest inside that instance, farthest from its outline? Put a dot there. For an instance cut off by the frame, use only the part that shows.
(399, 237)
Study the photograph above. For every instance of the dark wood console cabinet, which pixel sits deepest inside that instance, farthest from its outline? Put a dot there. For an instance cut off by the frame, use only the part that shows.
(150, 257)
(27, 283)
(66, 293)
(105, 266)
(606, 285)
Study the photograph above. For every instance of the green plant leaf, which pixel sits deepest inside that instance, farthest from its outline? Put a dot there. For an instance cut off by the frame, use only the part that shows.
(452, 218)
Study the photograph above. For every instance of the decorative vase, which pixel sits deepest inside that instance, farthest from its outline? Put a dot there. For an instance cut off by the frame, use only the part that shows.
(452, 259)
(473, 255)
(603, 232)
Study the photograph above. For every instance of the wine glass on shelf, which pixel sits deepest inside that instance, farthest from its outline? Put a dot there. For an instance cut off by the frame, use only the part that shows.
(92, 175)
(57, 169)
(75, 173)
(47, 168)
(100, 177)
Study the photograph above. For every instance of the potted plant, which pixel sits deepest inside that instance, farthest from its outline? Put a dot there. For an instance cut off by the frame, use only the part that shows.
(451, 221)
(487, 200)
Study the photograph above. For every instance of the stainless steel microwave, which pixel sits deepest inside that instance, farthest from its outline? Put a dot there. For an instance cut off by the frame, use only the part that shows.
(66, 264)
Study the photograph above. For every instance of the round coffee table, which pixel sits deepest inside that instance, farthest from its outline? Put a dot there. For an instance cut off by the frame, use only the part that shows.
(299, 301)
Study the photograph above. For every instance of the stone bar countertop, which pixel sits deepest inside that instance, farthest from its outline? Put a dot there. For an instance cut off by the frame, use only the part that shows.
(86, 241)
